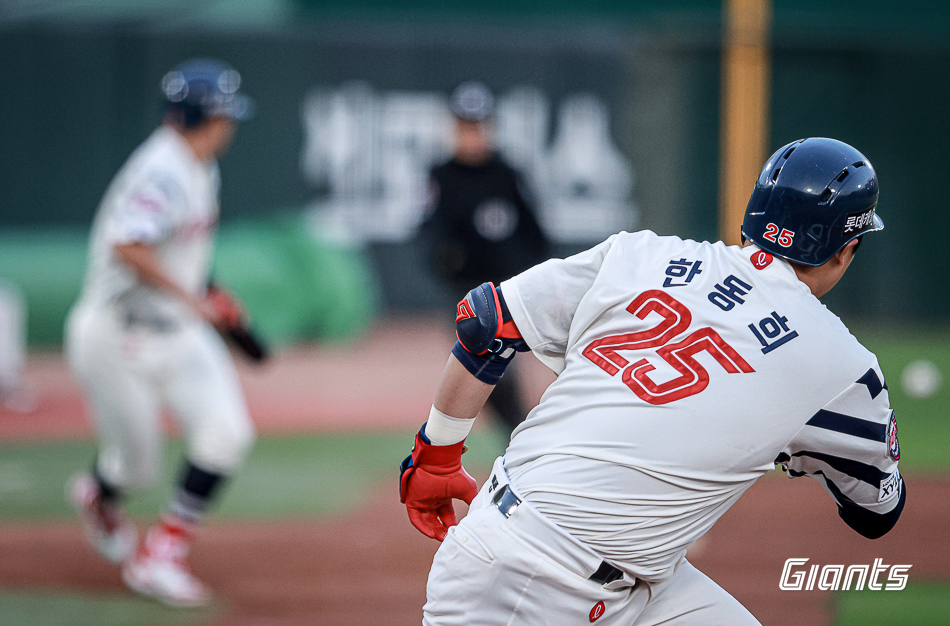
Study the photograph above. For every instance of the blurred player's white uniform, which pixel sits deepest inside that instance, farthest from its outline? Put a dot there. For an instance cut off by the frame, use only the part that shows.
(135, 348)
(13, 395)
(141, 339)
(685, 371)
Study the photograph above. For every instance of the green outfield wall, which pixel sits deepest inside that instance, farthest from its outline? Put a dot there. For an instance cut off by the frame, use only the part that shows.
(295, 285)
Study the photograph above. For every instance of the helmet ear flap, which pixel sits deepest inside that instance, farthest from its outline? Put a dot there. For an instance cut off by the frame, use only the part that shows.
(193, 116)
(183, 115)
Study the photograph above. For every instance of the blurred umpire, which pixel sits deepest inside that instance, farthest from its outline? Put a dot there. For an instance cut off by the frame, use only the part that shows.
(481, 226)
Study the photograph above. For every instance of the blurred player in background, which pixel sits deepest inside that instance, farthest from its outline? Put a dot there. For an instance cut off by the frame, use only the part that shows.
(144, 335)
(481, 226)
(14, 395)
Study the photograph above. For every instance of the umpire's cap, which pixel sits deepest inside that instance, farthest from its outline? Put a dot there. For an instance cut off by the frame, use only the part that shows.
(812, 197)
(202, 88)
(472, 102)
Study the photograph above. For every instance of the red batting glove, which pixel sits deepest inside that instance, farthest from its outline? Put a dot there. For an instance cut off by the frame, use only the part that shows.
(430, 477)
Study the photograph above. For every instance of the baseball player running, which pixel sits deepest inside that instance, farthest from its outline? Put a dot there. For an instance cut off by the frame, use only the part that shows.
(685, 372)
(143, 336)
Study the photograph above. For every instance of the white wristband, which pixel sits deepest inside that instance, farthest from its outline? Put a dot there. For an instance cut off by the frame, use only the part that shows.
(445, 430)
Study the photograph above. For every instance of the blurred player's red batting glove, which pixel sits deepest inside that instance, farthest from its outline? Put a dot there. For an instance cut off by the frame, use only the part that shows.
(430, 478)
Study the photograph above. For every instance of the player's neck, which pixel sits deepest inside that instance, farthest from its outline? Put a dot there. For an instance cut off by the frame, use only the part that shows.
(200, 143)
(816, 281)
(204, 149)
(474, 158)
(821, 279)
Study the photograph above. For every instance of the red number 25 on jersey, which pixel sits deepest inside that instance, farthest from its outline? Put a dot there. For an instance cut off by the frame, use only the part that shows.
(676, 318)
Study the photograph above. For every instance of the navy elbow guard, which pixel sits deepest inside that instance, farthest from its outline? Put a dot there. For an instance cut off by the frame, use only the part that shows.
(487, 336)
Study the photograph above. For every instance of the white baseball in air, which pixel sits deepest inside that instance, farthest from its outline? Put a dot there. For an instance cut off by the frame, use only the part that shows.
(921, 379)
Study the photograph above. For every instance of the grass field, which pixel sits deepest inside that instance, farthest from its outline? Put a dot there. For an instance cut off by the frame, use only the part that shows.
(23, 608)
(923, 424)
(917, 605)
(286, 476)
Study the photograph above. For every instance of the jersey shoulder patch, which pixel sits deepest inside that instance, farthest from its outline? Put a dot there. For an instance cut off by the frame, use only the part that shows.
(893, 446)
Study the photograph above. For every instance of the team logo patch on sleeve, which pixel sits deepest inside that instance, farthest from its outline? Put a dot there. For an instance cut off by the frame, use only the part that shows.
(761, 259)
(893, 446)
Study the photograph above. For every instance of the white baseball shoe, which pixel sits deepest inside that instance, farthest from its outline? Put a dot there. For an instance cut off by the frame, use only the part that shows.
(112, 535)
(160, 570)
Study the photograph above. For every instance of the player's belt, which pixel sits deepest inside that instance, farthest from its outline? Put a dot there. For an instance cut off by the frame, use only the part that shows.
(151, 322)
(507, 501)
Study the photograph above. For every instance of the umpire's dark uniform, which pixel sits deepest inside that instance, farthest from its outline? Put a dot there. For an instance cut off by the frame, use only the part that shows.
(481, 226)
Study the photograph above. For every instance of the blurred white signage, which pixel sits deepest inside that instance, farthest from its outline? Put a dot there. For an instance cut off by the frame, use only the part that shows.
(370, 153)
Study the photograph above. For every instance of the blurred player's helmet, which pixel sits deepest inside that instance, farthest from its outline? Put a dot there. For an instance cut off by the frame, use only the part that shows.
(202, 88)
(472, 102)
(812, 197)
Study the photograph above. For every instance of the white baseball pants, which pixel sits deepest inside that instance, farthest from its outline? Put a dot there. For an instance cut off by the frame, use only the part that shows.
(524, 570)
(12, 335)
(130, 373)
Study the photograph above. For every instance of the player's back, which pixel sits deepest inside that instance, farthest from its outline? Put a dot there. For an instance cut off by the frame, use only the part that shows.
(687, 368)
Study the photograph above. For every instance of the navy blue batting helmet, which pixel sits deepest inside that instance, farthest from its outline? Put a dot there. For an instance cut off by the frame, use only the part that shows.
(202, 88)
(812, 197)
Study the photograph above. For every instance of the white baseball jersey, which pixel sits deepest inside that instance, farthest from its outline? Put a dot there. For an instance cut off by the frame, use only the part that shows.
(166, 197)
(685, 371)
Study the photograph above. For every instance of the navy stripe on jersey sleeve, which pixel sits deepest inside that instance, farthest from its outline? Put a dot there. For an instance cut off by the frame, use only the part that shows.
(874, 384)
(855, 469)
(838, 422)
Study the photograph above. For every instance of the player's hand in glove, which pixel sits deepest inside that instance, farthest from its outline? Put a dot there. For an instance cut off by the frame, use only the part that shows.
(223, 309)
(430, 478)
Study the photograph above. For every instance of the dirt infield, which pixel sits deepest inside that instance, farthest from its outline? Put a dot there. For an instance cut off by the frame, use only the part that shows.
(370, 567)
(384, 381)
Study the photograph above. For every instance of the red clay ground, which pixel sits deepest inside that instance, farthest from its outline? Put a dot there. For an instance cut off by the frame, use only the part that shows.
(384, 381)
(370, 567)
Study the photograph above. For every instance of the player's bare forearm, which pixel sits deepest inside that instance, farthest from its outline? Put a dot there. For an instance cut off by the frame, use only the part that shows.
(142, 259)
(460, 394)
